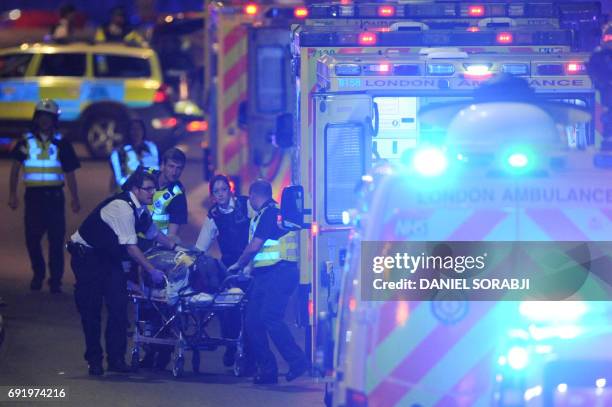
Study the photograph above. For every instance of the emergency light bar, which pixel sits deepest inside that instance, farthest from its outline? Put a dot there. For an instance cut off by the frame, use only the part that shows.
(436, 38)
(251, 9)
(459, 10)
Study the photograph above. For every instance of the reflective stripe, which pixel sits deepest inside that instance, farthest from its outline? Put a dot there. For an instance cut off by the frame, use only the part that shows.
(42, 165)
(267, 256)
(43, 177)
(159, 208)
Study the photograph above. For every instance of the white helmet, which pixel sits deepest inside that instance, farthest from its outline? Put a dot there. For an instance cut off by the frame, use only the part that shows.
(48, 106)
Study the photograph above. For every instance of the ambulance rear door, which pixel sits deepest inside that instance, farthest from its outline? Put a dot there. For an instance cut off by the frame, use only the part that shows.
(342, 147)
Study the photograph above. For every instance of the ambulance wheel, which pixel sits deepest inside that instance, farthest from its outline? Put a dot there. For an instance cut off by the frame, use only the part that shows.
(179, 367)
(195, 361)
(135, 361)
(103, 129)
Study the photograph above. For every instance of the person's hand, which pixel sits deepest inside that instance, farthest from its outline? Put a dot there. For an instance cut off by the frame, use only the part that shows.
(233, 268)
(13, 202)
(157, 276)
(75, 204)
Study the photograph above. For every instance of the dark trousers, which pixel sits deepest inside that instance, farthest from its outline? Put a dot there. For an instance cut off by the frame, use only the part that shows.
(100, 279)
(265, 314)
(45, 213)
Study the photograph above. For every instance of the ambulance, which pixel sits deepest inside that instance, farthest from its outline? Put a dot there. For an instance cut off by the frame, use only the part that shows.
(250, 87)
(366, 70)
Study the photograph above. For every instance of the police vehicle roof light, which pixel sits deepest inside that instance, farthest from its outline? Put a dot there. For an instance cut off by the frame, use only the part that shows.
(430, 162)
(251, 9)
(504, 38)
(518, 357)
(347, 69)
(367, 38)
(575, 68)
(300, 12)
(386, 11)
(440, 69)
(476, 11)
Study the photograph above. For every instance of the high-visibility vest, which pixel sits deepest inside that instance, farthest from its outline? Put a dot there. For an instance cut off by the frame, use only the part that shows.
(159, 207)
(125, 164)
(273, 251)
(42, 167)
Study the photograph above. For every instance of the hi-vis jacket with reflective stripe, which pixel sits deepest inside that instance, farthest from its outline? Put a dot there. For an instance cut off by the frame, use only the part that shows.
(273, 251)
(126, 162)
(159, 208)
(42, 167)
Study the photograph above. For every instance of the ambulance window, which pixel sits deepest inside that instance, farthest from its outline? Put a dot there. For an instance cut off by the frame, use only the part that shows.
(344, 166)
(14, 65)
(270, 72)
(580, 135)
(398, 126)
(119, 66)
(62, 65)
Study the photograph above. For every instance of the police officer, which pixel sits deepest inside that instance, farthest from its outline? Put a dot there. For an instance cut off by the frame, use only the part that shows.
(48, 160)
(169, 207)
(102, 242)
(137, 151)
(118, 30)
(169, 212)
(228, 222)
(275, 274)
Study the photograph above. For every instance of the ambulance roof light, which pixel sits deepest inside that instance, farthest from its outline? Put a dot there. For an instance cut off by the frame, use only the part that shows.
(518, 357)
(476, 10)
(386, 11)
(575, 68)
(430, 162)
(367, 38)
(504, 38)
(477, 71)
(300, 12)
(251, 9)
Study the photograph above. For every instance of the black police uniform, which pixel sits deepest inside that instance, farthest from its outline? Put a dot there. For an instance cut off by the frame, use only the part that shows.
(268, 300)
(100, 276)
(45, 213)
(233, 230)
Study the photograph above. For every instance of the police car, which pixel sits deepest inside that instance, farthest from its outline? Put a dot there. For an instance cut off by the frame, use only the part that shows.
(97, 86)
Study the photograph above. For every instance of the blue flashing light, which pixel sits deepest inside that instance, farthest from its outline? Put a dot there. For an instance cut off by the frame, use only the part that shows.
(518, 357)
(518, 160)
(348, 70)
(430, 162)
(440, 69)
(516, 69)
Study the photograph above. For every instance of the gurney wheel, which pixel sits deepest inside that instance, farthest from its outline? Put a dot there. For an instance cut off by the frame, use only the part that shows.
(195, 361)
(135, 362)
(179, 367)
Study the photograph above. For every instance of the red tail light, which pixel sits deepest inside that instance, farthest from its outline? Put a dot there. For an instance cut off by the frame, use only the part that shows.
(300, 12)
(367, 38)
(165, 123)
(476, 11)
(197, 125)
(504, 38)
(161, 94)
(386, 11)
(607, 38)
(251, 9)
(473, 29)
(310, 308)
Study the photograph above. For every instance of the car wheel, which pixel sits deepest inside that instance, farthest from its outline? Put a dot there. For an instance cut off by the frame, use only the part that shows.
(103, 131)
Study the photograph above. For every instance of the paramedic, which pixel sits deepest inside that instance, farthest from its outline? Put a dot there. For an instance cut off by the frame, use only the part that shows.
(275, 277)
(105, 238)
(228, 222)
(47, 159)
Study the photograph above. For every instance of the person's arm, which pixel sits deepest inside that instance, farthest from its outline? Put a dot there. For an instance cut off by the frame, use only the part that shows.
(13, 181)
(208, 233)
(166, 241)
(139, 257)
(71, 182)
(173, 230)
(247, 254)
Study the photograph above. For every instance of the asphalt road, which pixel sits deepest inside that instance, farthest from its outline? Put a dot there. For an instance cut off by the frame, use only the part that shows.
(44, 344)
